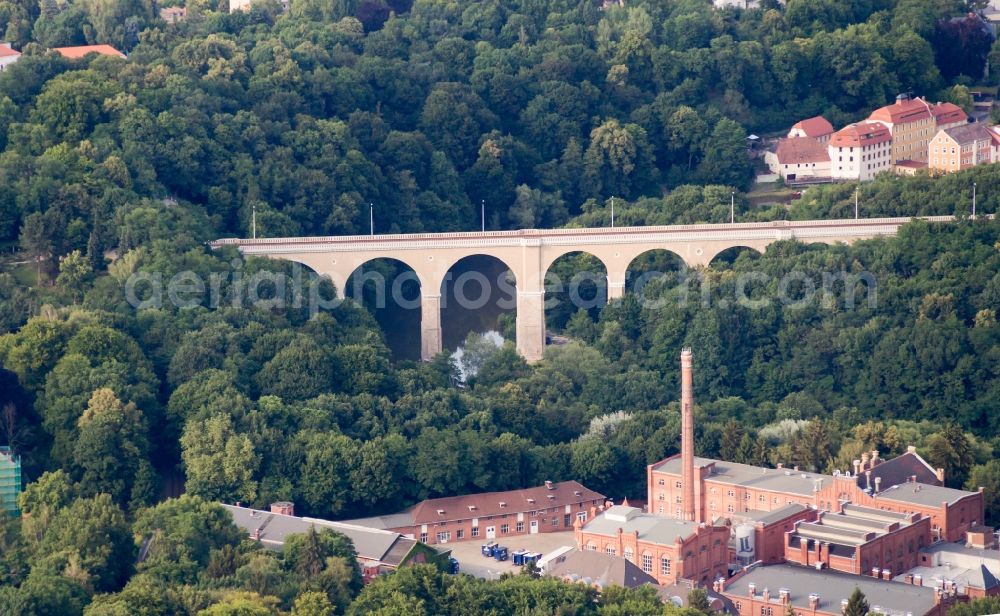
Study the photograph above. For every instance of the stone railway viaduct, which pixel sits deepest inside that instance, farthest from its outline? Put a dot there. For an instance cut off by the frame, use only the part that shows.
(529, 253)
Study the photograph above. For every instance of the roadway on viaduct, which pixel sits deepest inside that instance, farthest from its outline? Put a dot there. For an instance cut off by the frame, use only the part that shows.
(529, 253)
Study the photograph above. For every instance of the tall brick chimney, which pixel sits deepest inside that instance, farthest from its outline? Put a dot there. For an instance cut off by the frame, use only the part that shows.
(687, 436)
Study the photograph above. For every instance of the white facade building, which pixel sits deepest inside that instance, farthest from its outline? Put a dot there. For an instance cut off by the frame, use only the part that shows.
(860, 151)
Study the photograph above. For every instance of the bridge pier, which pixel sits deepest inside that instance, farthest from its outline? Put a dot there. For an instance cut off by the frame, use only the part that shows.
(430, 326)
(531, 324)
(616, 287)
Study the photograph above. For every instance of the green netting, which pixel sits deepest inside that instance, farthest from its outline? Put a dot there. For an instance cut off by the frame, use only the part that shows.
(10, 481)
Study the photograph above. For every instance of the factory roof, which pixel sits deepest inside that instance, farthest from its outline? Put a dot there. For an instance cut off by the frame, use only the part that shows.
(593, 567)
(832, 587)
(922, 494)
(651, 528)
(552, 494)
(901, 468)
(770, 517)
(976, 577)
(965, 556)
(776, 480)
(370, 544)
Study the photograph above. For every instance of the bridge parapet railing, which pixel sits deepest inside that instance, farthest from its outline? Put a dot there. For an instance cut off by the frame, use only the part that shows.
(480, 236)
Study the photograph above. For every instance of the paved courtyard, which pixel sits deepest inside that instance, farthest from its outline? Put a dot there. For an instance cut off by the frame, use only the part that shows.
(472, 561)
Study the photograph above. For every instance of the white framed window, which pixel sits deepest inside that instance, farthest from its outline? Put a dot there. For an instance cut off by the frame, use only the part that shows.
(444, 536)
(475, 531)
(664, 565)
(504, 528)
(423, 537)
(610, 550)
(628, 554)
(519, 527)
(647, 563)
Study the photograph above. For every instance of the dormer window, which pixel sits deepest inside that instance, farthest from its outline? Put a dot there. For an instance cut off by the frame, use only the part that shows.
(440, 511)
(531, 500)
(472, 507)
(503, 504)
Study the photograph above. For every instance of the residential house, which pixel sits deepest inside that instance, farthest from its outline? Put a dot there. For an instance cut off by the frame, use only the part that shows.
(911, 125)
(8, 56)
(860, 151)
(994, 143)
(552, 507)
(665, 548)
(173, 14)
(379, 551)
(778, 589)
(818, 128)
(798, 158)
(75, 53)
(961, 147)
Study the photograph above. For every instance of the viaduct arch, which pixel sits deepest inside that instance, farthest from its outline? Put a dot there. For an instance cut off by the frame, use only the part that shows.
(529, 253)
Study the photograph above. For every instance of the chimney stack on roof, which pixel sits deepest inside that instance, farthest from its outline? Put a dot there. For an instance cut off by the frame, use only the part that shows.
(283, 508)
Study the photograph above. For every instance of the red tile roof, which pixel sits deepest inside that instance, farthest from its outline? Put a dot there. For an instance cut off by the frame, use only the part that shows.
(7, 52)
(902, 112)
(948, 113)
(817, 126)
(861, 134)
(79, 52)
(515, 501)
(801, 150)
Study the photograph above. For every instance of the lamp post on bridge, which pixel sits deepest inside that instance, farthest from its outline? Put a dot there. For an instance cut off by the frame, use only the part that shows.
(857, 189)
(612, 211)
(371, 218)
(253, 221)
(732, 207)
(482, 215)
(973, 201)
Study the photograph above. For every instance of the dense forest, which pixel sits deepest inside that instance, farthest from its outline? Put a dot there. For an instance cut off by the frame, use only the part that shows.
(541, 110)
